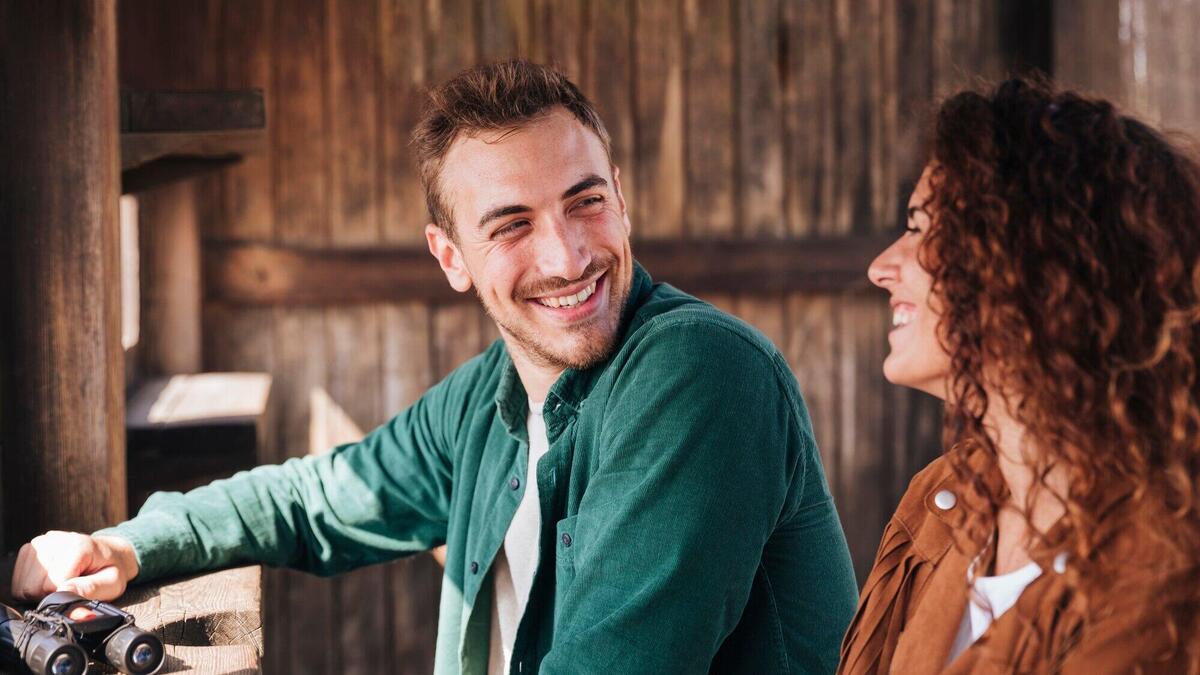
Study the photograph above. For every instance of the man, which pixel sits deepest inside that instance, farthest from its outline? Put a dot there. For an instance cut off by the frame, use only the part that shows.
(627, 482)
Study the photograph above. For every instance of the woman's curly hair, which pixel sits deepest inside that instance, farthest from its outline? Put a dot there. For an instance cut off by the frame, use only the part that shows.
(1064, 254)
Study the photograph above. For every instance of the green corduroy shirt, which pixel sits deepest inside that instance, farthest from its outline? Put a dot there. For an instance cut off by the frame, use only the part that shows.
(687, 526)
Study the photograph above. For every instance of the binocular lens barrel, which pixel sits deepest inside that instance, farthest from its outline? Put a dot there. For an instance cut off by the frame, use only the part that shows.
(48, 654)
(133, 650)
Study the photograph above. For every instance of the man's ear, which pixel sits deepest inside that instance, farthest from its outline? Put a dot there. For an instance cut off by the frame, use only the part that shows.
(616, 172)
(449, 257)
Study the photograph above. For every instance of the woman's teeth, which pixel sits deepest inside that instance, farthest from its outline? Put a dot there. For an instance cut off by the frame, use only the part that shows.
(570, 300)
(901, 317)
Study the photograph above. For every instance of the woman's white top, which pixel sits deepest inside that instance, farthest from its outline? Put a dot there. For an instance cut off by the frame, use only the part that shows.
(988, 598)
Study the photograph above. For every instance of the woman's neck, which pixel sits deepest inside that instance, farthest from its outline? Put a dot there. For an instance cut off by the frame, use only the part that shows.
(1033, 501)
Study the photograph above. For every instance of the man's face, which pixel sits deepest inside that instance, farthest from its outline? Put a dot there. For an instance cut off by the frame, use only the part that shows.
(542, 236)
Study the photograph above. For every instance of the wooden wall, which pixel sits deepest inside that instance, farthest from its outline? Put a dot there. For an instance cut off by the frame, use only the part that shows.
(766, 120)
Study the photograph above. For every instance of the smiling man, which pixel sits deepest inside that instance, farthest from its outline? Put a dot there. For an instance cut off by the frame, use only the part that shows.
(626, 482)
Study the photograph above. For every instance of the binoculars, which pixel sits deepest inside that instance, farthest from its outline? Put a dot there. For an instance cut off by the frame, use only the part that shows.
(65, 630)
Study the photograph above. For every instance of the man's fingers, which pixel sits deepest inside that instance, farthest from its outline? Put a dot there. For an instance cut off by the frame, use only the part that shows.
(106, 584)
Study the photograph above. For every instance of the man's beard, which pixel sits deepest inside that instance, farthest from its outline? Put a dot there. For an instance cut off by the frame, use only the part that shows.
(600, 332)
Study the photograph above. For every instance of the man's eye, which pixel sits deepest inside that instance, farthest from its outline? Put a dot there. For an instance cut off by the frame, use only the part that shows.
(510, 228)
(589, 202)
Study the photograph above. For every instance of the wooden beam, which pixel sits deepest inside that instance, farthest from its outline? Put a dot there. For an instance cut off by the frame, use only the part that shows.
(262, 274)
(178, 111)
(61, 362)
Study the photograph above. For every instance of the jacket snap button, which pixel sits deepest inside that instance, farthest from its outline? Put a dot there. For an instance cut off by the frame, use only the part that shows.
(1060, 562)
(474, 568)
(566, 540)
(945, 500)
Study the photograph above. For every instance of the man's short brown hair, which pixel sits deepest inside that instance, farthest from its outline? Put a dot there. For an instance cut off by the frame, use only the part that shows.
(490, 97)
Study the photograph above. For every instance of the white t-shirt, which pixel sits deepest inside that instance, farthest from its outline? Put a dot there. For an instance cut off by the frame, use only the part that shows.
(991, 597)
(517, 560)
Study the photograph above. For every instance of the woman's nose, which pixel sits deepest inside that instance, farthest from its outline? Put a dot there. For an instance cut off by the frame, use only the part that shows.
(884, 269)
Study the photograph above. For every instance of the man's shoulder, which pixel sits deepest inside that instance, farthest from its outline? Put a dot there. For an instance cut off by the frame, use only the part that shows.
(694, 327)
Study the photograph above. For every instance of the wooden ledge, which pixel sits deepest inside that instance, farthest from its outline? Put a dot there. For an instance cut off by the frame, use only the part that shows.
(210, 623)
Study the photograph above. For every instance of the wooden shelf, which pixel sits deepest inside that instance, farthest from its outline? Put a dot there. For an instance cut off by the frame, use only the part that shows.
(169, 135)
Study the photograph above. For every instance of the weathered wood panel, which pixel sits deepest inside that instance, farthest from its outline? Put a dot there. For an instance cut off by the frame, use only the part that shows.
(780, 120)
(61, 360)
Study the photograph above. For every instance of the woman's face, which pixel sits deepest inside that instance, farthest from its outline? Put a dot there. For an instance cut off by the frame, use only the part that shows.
(917, 358)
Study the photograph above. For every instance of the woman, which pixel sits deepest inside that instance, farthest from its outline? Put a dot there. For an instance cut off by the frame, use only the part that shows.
(1047, 288)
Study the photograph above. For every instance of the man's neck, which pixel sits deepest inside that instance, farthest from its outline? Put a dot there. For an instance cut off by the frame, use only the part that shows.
(537, 378)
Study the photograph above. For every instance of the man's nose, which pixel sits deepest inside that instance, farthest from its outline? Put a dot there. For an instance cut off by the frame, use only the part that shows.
(562, 249)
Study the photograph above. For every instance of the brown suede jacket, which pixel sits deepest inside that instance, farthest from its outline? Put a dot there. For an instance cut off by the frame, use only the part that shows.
(913, 601)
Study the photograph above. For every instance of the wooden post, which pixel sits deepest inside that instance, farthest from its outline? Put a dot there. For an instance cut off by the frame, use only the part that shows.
(62, 435)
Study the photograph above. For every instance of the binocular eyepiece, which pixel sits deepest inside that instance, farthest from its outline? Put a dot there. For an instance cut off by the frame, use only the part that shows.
(59, 636)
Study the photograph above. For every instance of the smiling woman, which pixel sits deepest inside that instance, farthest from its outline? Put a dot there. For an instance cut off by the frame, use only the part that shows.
(1046, 288)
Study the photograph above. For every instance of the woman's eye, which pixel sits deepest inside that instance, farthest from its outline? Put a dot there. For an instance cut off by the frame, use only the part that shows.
(909, 229)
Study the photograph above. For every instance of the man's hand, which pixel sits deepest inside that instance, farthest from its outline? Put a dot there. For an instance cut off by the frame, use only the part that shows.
(94, 567)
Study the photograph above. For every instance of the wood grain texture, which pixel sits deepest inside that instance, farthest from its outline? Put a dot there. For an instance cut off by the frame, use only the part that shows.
(608, 78)
(209, 623)
(246, 36)
(299, 131)
(709, 118)
(760, 138)
(300, 354)
(862, 459)
(169, 267)
(254, 274)
(403, 67)
(557, 34)
(812, 349)
(361, 611)
(659, 182)
(61, 361)
(414, 584)
(508, 31)
(809, 97)
(352, 114)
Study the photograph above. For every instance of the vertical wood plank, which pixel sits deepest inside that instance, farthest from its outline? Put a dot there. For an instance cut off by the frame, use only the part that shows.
(608, 81)
(862, 457)
(759, 119)
(300, 353)
(238, 339)
(449, 38)
(352, 114)
(361, 611)
(558, 35)
(414, 584)
(658, 175)
(810, 94)
(709, 209)
(766, 313)
(857, 31)
(1089, 38)
(402, 44)
(456, 336)
(246, 35)
(505, 29)
(62, 429)
(297, 126)
(169, 267)
(812, 351)
(914, 91)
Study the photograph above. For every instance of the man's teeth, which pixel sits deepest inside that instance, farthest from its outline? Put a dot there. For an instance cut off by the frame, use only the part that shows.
(570, 300)
(901, 317)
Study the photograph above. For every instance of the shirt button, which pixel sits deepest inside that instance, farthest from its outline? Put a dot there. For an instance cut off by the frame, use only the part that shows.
(514, 483)
(474, 568)
(557, 406)
(945, 500)
(566, 540)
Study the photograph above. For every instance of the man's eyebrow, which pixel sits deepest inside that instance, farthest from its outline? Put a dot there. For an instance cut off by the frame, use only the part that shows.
(589, 182)
(501, 211)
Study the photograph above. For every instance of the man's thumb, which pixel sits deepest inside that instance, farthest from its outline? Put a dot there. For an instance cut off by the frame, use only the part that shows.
(105, 584)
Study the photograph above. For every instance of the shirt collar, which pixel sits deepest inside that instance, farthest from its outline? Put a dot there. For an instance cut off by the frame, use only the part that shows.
(573, 386)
